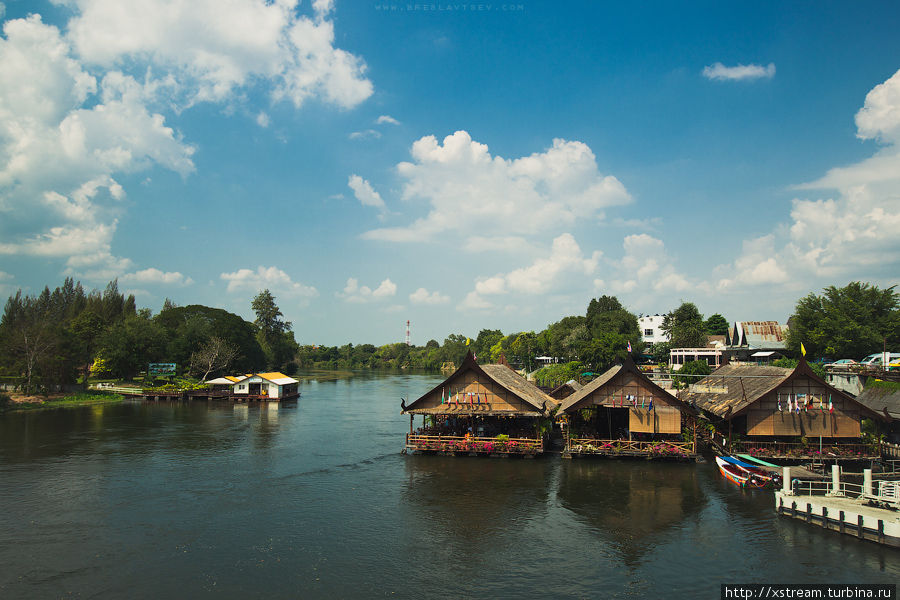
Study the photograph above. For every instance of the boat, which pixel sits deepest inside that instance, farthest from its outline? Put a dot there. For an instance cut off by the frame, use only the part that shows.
(731, 472)
(741, 473)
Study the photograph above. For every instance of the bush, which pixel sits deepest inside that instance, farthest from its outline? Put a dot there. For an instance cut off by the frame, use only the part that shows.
(5, 402)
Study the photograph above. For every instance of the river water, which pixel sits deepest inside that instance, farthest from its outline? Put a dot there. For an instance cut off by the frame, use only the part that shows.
(315, 500)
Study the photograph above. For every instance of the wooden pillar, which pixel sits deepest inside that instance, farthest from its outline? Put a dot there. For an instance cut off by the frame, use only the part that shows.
(410, 424)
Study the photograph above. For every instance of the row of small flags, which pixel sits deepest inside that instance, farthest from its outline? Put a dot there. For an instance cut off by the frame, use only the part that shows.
(467, 397)
(796, 401)
(633, 399)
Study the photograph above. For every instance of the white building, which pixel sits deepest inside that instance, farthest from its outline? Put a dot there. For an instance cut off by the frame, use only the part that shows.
(651, 329)
(276, 386)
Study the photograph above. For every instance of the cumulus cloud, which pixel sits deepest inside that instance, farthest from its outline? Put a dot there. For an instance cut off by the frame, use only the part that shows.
(719, 72)
(853, 234)
(214, 47)
(271, 278)
(153, 275)
(365, 193)
(353, 292)
(646, 265)
(63, 137)
(422, 296)
(465, 186)
(565, 261)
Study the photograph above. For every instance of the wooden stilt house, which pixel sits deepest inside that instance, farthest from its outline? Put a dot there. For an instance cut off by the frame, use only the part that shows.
(624, 413)
(782, 413)
(481, 409)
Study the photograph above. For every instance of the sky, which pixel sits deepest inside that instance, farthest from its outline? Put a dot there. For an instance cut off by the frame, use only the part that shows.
(458, 165)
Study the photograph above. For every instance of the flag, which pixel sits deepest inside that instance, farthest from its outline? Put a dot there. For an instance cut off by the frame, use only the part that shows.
(779, 403)
(442, 395)
(629, 346)
(650, 407)
(468, 341)
(802, 349)
(830, 405)
(642, 401)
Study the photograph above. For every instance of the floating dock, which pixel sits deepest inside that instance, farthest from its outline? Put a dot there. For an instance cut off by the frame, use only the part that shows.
(863, 511)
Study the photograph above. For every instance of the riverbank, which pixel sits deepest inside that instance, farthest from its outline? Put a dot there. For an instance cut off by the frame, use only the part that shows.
(22, 402)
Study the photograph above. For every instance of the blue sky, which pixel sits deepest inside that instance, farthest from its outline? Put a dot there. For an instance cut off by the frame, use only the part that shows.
(459, 165)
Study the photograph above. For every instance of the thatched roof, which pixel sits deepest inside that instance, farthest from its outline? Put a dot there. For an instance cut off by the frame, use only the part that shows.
(502, 375)
(565, 389)
(608, 376)
(882, 399)
(733, 388)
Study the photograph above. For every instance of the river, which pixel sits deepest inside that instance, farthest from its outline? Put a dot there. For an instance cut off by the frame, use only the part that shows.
(315, 500)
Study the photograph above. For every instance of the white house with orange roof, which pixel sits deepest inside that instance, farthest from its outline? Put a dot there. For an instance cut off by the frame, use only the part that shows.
(261, 386)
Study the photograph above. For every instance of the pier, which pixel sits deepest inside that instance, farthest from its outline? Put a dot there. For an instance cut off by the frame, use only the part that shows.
(867, 511)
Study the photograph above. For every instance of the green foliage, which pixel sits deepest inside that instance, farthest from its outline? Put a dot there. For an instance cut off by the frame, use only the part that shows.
(660, 352)
(716, 325)
(130, 345)
(848, 322)
(892, 386)
(557, 374)
(274, 334)
(694, 367)
(791, 363)
(685, 327)
(611, 328)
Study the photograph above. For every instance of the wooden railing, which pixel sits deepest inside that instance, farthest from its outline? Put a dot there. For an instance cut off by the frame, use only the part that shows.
(811, 450)
(478, 445)
(630, 448)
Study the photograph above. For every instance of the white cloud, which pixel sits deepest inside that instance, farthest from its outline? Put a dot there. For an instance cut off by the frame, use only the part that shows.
(271, 278)
(852, 235)
(646, 265)
(262, 119)
(422, 296)
(719, 72)
(63, 137)
(214, 47)
(387, 119)
(564, 265)
(368, 134)
(153, 275)
(364, 192)
(465, 187)
(353, 292)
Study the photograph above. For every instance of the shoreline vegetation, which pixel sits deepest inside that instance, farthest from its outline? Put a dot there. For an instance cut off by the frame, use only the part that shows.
(17, 402)
(69, 335)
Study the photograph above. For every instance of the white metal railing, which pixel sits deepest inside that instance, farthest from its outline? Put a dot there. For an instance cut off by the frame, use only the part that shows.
(871, 489)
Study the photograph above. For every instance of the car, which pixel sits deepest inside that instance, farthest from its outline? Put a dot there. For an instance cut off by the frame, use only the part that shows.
(845, 361)
(877, 359)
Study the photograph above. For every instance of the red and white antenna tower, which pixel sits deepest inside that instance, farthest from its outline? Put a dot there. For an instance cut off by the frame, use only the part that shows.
(407, 333)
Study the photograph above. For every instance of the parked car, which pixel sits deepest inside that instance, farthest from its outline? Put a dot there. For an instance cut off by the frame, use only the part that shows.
(845, 361)
(877, 359)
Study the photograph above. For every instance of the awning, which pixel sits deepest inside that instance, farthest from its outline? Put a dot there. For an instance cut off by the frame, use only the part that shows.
(762, 354)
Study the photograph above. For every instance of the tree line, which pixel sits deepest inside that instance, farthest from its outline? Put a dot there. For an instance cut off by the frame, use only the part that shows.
(66, 335)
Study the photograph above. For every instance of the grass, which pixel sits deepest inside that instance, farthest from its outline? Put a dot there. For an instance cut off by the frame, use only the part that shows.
(71, 401)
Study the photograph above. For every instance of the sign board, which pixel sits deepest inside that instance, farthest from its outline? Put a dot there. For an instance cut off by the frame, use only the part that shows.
(161, 369)
(697, 388)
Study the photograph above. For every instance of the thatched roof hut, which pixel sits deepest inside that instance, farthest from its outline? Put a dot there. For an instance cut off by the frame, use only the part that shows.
(772, 401)
(483, 390)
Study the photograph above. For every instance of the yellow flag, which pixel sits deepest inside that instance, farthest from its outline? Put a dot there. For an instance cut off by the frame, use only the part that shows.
(802, 349)
(468, 340)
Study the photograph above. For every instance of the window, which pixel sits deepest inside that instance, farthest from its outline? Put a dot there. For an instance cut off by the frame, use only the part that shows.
(648, 332)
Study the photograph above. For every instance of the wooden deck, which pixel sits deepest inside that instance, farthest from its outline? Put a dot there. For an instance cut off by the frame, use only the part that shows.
(625, 448)
(472, 446)
(225, 396)
(784, 450)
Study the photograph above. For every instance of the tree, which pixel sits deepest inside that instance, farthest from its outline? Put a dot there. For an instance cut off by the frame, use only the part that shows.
(214, 355)
(87, 328)
(695, 368)
(130, 345)
(847, 322)
(606, 316)
(481, 346)
(274, 334)
(716, 325)
(685, 327)
(523, 348)
(27, 333)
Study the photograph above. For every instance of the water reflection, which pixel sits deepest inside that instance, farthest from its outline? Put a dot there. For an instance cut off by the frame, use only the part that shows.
(630, 503)
(468, 502)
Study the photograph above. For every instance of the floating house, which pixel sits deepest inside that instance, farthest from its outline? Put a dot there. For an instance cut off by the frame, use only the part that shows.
(481, 409)
(624, 413)
(265, 386)
(781, 412)
(563, 391)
